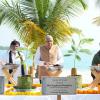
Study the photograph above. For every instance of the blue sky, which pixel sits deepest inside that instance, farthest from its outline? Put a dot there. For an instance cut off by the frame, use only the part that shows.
(83, 22)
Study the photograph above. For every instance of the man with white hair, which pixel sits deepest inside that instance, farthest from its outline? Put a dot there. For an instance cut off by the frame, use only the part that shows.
(48, 55)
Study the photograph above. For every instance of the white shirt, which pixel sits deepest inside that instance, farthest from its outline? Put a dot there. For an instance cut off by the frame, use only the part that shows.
(37, 60)
(16, 60)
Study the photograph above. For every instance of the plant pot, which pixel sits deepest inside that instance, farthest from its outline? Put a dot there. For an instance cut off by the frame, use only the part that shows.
(25, 82)
(31, 71)
(73, 72)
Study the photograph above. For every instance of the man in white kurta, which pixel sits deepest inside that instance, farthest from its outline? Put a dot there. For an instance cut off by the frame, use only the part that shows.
(48, 55)
(4, 59)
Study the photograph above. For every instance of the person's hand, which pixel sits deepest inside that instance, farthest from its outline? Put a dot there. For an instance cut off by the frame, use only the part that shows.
(98, 71)
(47, 63)
(98, 64)
(2, 63)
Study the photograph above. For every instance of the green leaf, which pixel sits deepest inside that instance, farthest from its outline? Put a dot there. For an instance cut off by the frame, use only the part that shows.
(76, 30)
(21, 49)
(30, 56)
(86, 41)
(42, 7)
(73, 42)
(87, 51)
(83, 4)
(1, 16)
(67, 54)
(78, 57)
(31, 45)
(70, 51)
(73, 48)
(29, 0)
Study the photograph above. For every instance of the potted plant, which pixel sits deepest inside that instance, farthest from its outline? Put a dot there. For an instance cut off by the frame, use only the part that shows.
(29, 53)
(77, 47)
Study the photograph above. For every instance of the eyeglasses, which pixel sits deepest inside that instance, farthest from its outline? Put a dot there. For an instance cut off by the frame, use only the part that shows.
(49, 41)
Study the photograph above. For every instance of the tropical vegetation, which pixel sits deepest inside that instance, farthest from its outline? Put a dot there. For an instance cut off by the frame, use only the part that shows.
(33, 19)
(78, 47)
(96, 20)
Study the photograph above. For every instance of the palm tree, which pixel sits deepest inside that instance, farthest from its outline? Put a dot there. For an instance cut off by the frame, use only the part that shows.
(33, 19)
(96, 20)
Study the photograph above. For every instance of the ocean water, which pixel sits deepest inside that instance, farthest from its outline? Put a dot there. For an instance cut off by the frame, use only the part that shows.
(84, 64)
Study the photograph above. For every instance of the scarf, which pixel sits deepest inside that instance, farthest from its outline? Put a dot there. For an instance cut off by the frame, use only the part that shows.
(11, 61)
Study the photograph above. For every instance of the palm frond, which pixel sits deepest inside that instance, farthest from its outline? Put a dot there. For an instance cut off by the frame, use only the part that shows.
(1, 15)
(12, 14)
(96, 21)
(29, 9)
(61, 30)
(83, 4)
(30, 32)
(34, 18)
(98, 3)
(75, 30)
(66, 8)
(42, 7)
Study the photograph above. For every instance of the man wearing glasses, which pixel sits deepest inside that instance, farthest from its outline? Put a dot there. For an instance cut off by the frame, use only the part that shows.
(48, 58)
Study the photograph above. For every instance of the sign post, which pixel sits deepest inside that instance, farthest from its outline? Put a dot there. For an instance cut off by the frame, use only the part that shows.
(58, 86)
(58, 97)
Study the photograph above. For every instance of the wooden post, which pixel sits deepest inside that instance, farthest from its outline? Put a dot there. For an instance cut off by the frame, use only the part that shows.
(31, 71)
(58, 97)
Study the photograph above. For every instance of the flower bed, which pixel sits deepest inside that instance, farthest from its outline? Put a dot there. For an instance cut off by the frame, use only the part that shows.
(89, 91)
(86, 90)
(10, 90)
